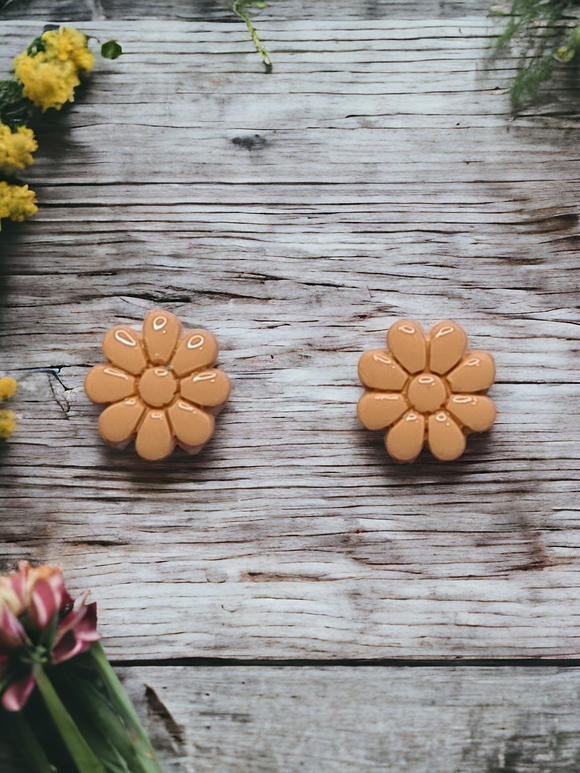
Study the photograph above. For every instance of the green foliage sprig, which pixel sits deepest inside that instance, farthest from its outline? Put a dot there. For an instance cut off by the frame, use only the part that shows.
(540, 26)
(242, 8)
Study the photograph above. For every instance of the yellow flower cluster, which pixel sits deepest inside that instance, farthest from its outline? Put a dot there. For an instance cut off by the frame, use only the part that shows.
(51, 76)
(16, 201)
(16, 148)
(7, 422)
(68, 44)
(7, 387)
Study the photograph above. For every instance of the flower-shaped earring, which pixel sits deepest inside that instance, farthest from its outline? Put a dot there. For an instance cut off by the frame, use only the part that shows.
(161, 386)
(426, 389)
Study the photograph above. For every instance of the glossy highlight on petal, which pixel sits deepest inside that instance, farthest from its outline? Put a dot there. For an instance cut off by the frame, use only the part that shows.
(378, 410)
(378, 370)
(118, 423)
(106, 384)
(155, 438)
(447, 345)
(161, 331)
(209, 388)
(405, 440)
(475, 373)
(123, 347)
(198, 349)
(192, 426)
(445, 438)
(406, 341)
(476, 412)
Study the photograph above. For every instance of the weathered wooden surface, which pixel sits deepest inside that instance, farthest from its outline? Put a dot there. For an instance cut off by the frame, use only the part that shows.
(345, 720)
(376, 173)
(218, 10)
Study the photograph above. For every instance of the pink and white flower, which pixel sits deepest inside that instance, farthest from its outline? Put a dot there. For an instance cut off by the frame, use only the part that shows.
(38, 623)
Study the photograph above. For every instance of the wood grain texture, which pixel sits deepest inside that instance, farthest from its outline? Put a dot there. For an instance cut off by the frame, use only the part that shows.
(376, 173)
(345, 720)
(218, 10)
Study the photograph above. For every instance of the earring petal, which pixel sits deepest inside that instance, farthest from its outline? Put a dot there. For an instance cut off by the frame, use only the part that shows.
(118, 423)
(155, 439)
(476, 412)
(406, 341)
(378, 370)
(192, 426)
(199, 349)
(405, 440)
(475, 373)
(446, 440)
(106, 384)
(209, 388)
(161, 331)
(123, 347)
(378, 410)
(447, 345)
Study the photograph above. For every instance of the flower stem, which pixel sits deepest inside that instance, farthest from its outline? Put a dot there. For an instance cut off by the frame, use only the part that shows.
(239, 8)
(80, 751)
(124, 707)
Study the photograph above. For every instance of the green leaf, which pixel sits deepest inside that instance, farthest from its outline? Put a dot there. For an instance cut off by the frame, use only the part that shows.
(80, 751)
(540, 30)
(12, 760)
(20, 751)
(111, 50)
(125, 709)
(109, 756)
(91, 702)
(35, 47)
(28, 743)
(15, 109)
(528, 81)
(565, 54)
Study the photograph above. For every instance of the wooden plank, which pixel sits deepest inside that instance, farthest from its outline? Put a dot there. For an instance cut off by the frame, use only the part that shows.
(202, 10)
(293, 535)
(344, 720)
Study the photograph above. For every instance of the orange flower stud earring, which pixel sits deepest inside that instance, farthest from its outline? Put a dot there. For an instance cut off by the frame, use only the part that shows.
(426, 389)
(161, 387)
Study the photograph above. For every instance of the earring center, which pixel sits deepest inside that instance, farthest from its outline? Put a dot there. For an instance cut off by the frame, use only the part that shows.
(427, 392)
(157, 386)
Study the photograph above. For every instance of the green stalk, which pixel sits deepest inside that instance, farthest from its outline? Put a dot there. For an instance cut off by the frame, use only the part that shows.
(124, 707)
(104, 718)
(238, 8)
(29, 744)
(80, 751)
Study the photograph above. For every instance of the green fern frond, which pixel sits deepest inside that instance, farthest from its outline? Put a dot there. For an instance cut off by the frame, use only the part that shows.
(540, 26)
(529, 79)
